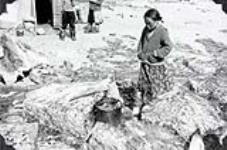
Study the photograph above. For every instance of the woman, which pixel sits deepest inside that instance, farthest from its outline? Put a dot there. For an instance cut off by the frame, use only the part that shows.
(154, 46)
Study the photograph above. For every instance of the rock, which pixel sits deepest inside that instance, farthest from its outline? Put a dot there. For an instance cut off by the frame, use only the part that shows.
(3, 145)
(133, 135)
(4, 105)
(208, 87)
(20, 136)
(13, 119)
(12, 58)
(17, 56)
(44, 73)
(54, 146)
(29, 26)
(65, 107)
(204, 66)
(40, 31)
(2, 80)
(183, 112)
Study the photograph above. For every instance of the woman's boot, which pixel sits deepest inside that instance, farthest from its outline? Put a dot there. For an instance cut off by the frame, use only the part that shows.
(73, 35)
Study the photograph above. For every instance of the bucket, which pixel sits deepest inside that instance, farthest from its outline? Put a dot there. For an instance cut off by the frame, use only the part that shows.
(108, 111)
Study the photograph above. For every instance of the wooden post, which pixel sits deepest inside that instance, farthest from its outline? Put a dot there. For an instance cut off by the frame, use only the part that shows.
(57, 13)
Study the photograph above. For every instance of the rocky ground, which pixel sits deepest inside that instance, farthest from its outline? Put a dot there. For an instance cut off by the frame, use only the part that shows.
(60, 88)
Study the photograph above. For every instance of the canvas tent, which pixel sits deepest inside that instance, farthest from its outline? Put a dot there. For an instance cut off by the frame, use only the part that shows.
(38, 11)
(18, 11)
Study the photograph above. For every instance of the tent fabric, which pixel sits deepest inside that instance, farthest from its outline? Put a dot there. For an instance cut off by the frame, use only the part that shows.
(17, 12)
(9, 19)
(27, 10)
(3, 4)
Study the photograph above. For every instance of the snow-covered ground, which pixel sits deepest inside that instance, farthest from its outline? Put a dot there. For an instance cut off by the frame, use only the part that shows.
(186, 22)
(199, 32)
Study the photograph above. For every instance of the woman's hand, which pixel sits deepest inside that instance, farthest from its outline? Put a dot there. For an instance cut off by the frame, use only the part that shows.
(147, 57)
(141, 56)
(155, 53)
(150, 56)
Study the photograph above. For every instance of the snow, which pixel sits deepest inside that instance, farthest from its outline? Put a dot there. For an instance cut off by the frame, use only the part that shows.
(185, 22)
(10, 18)
(198, 30)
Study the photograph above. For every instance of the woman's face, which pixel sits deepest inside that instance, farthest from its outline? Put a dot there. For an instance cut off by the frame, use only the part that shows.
(150, 23)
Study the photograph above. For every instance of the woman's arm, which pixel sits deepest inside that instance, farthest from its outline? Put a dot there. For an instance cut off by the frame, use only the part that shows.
(166, 45)
(140, 44)
(140, 54)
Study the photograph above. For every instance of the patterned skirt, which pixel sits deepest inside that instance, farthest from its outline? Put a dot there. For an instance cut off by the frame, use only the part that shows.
(153, 81)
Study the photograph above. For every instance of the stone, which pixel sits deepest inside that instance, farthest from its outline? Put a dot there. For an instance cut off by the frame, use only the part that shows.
(20, 136)
(183, 112)
(133, 135)
(65, 107)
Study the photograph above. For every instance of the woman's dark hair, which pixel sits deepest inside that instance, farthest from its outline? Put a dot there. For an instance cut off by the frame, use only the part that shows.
(154, 14)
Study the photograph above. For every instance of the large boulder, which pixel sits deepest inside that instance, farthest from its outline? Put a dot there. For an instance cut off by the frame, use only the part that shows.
(10, 18)
(68, 109)
(21, 136)
(65, 107)
(17, 56)
(133, 135)
(183, 112)
(45, 73)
